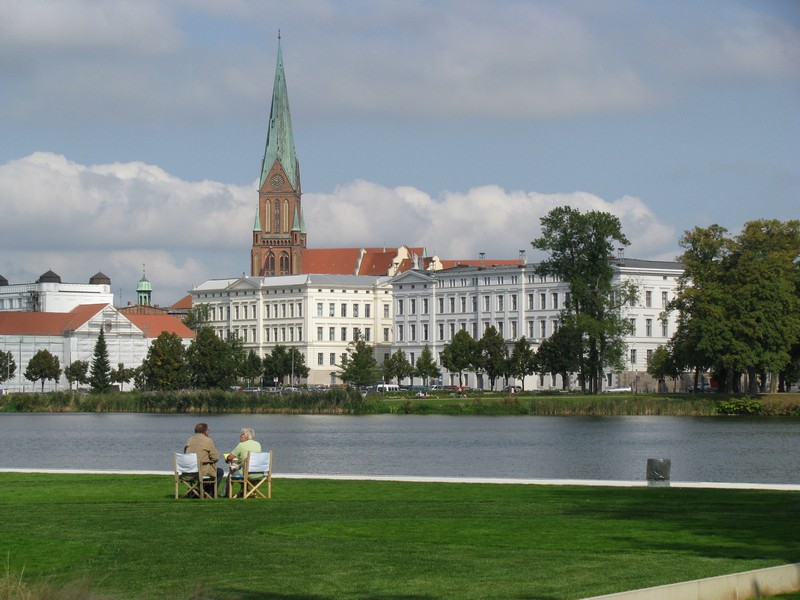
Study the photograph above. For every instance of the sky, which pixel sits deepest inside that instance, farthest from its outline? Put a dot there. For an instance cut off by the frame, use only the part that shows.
(132, 131)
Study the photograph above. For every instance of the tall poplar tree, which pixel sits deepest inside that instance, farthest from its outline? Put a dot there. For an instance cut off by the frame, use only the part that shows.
(100, 372)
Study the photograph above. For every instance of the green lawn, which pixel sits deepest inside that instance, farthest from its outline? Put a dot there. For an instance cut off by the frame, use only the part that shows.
(398, 541)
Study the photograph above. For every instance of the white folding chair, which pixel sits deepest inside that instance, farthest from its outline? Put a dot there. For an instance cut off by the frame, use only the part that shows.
(257, 469)
(187, 473)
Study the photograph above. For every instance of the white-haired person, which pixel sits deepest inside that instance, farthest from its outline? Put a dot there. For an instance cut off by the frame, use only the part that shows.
(238, 455)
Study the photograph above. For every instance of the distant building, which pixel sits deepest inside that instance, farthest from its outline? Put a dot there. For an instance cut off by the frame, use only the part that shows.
(430, 307)
(50, 294)
(320, 315)
(72, 336)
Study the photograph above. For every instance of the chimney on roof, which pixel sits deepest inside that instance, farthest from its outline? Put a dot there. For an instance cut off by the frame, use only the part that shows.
(482, 257)
(522, 259)
(621, 254)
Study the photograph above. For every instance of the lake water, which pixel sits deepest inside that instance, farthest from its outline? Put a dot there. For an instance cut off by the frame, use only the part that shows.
(701, 449)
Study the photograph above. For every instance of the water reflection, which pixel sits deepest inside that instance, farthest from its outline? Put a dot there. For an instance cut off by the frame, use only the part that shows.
(615, 448)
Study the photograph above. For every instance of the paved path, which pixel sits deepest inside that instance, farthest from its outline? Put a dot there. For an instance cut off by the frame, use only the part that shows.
(579, 482)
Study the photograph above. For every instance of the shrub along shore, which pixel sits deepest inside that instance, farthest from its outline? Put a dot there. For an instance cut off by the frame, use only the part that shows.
(352, 402)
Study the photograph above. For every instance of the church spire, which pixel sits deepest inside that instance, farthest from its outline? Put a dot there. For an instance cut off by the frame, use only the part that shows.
(280, 139)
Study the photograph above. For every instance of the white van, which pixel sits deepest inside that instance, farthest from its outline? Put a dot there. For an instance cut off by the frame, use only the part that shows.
(387, 387)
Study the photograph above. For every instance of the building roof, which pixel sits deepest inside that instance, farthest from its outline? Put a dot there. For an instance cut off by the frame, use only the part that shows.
(154, 325)
(184, 303)
(280, 139)
(57, 324)
(361, 261)
(339, 261)
(47, 323)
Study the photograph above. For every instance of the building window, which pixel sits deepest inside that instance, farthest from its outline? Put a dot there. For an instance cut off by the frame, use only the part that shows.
(283, 334)
(386, 311)
(633, 356)
(452, 330)
(399, 307)
(500, 300)
(664, 329)
(412, 332)
(319, 309)
(319, 333)
(513, 302)
(344, 309)
(319, 358)
(649, 356)
(356, 333)
(367, 311)
(500, 328)
(452, 303)
(266, 334)
(530, 301)
(385, 334)
(531, 329)
(441, 331)
(367, 334)
(474, 330)
(555, 300)
(487, 303)
(664, 299)
(331, 309)
(648, 327)
(424, 332)
(332, 334)
(424, 306)
(648, 299)
(399, 333)
(344, 334)
(542, 301)
(542, 329)
(513, 330)
(355, 311)
(412, 305)
(633, 326)
(332, 358)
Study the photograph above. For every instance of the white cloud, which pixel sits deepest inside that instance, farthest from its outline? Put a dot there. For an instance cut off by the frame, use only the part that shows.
(78, 219)
(461, 225)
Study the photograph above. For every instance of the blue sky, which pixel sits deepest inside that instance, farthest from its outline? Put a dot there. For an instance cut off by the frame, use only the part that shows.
(132, 132)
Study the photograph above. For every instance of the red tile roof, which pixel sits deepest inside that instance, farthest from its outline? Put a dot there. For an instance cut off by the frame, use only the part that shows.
(47, 324)
(331, 261)
(155, 325)
(183, 303)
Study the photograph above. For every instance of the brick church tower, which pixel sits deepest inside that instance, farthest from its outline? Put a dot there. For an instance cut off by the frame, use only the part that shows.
(279, 232)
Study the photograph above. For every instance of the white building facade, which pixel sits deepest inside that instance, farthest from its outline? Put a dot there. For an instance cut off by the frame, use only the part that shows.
(320, 315)
(430, 307)
(49, 294)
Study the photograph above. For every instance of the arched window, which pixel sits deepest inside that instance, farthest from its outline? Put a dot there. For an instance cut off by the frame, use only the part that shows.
(286, 224)
(284, 263)
(267, 216)
(277, 224)
(270, 264)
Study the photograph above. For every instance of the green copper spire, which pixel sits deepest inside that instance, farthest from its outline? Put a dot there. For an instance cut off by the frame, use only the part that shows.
(257, 223)
(280, 140)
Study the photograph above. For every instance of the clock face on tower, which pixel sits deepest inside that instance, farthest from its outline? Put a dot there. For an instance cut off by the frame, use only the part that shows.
(276, 181)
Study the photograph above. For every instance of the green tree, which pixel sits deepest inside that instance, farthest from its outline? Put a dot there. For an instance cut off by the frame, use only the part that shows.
(738, 302)
(459, 354)
(561, 353)
(43, 365)
(397, 367)
(490, 355)
(122, 375)
(8, 367)
(210, 361)
(662, 366)
(253, 368)
(579, 246)
(285, 362)
(100, 371)
(197, 317)
(165, 366)
(522, 361)
(359, 366)
(77, 372)
(426, 367)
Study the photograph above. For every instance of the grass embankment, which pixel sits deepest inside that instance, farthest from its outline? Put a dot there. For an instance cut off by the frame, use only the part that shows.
(345, 401)
(128, 538)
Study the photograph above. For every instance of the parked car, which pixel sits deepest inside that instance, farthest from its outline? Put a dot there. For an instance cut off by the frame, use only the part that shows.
(704, 388)
(618, 389)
